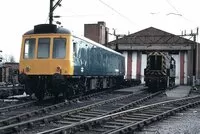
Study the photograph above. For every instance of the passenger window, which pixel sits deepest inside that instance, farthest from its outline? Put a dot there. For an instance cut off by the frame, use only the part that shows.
(59, 48)
(43, 48)
(75, 49)
(29, 48)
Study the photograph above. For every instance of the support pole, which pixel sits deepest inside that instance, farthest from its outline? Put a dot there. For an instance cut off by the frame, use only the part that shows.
(51, 12)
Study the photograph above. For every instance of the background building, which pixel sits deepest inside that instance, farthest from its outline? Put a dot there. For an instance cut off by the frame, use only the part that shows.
(97, 32)
(136, 46)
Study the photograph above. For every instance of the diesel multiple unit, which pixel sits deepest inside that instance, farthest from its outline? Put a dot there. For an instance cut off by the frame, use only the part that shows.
(55, 61)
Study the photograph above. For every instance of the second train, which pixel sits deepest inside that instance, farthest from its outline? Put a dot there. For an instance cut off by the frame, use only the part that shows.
(160, 72)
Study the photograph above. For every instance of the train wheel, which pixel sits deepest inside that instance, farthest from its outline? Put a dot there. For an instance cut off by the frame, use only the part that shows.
(56, 94)
(70, 91)
(40, 94)
(87, 85)
(28, 89)
(40, 90)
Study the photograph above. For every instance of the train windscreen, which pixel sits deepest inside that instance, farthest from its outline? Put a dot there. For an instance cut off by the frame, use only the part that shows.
(59, 48)
(155, 62)
(29, 48)
(43, 48)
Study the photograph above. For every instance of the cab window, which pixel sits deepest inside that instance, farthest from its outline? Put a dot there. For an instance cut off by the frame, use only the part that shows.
(43, 48)
(59, 48)
(29, 48)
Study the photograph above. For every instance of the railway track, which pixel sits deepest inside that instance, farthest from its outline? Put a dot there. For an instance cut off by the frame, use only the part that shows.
(23, 111)
(54, 116)
(7, 109)
(94, 110)
(184, 122)
(130, 120)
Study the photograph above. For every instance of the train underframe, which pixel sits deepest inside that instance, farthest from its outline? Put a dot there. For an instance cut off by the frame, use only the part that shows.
(159, 83)
(68, 86)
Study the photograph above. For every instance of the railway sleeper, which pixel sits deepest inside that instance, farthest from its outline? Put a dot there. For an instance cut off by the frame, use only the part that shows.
(109, 126)
(65, 122)
(71, 119)
(131, 119)
(87, 115)
(99, 111)
(142, 114)
(137, 117)
(152, 112)
(99, 130)
(94, 113)
(166, 108)
(108, 107)
(78, 117)
(115, 123)
(123, 121)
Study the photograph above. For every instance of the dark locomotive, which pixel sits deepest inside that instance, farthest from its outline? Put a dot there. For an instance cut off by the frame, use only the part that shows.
(160, 71)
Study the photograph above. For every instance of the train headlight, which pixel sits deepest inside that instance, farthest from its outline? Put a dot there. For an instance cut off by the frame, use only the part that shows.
(58, 69)
(27, 69)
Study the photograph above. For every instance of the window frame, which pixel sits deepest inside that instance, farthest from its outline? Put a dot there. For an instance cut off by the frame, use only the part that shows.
(49, 43)
(34, 50)
(65, 43)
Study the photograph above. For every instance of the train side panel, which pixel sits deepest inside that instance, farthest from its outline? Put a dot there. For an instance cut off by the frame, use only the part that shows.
(92, 60)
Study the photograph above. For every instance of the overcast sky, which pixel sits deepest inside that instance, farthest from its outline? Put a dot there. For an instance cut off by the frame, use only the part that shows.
(19, 16)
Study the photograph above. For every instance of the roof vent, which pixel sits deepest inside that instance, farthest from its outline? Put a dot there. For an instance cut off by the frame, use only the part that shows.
(45, 28)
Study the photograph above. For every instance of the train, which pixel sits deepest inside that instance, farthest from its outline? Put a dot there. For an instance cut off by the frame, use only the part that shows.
(55, 61)
(160, 72)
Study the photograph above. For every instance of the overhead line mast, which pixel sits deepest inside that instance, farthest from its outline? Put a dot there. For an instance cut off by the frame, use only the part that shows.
(52, 8)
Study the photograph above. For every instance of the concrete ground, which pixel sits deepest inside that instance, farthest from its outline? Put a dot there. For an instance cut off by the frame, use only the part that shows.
(132, 89)
(186, 122)
(180, 91)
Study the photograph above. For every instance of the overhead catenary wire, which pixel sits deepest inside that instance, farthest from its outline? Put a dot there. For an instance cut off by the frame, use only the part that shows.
(177, 12)
(172, 6)
(123, 16)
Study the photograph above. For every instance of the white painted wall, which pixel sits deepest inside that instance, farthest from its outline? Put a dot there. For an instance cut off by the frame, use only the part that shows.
(177, 59)
(125, 55)
(134, 64)
(143, 66)
(185, 67)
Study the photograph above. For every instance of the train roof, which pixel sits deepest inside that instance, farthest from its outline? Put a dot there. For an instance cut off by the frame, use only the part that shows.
(50, 28)
(97, 44)
(47, 28)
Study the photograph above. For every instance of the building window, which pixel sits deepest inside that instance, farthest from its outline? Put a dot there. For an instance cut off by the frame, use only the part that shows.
(59, 48)
(29, 48)
(43, 48)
